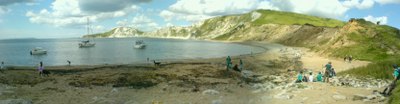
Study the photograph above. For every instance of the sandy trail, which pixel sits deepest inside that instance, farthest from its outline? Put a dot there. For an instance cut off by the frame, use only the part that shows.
(315, 62)
(322, 93)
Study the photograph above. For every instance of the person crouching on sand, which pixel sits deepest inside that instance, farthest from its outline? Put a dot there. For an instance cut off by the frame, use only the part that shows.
(311, 77)
(319, 77)
(299, 77)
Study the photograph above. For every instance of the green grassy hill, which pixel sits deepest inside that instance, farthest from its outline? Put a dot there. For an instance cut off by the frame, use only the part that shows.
(289, 18)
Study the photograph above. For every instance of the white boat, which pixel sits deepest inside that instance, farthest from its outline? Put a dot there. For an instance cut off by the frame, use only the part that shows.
(86, 43)
(139, 44)
(38, 51)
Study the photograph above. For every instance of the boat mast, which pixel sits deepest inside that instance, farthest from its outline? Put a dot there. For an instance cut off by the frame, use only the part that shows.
(87, 26)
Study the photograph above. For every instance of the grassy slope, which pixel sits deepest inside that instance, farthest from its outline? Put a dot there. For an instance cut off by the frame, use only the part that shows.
(374, 48)
(368, 47)
(371, 47)
(288, 18)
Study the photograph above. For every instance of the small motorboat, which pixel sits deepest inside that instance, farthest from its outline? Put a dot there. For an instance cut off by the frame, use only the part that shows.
(86, 43)
(139, 44)
(38, 51)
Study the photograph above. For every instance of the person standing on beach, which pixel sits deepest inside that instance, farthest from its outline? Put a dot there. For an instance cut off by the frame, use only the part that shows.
(396, 76)
(328, 68)
(69, 63)
(2, 67)
(40, 69)
(241, 64)
(228, 63)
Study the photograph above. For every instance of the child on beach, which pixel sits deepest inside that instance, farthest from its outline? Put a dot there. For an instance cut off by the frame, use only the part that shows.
(40, 69)
(241, 64)
(311, 77)
(2, 67)
(299, 77)
(319, 77)
(228, 63)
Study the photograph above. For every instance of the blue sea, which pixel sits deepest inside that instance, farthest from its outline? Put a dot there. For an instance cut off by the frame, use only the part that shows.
(114, 51)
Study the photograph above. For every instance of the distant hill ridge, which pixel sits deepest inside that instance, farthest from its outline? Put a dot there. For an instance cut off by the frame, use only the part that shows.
(357, 37)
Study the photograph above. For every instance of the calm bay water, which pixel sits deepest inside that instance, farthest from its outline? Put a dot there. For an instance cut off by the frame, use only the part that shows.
(114, 51)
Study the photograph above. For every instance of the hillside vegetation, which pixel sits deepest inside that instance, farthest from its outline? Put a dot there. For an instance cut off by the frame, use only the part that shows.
(288, 18)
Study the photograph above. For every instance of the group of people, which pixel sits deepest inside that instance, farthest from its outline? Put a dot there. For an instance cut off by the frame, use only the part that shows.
(328, 73)
(236, 67)
(40, 68)
(310, 78)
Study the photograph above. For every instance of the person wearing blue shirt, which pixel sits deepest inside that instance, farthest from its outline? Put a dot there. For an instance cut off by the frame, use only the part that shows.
(319, 77)
(300, 77)
(328, 68)
(396, 77)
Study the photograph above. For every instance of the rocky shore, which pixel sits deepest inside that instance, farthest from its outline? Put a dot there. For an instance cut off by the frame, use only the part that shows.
(266, 79)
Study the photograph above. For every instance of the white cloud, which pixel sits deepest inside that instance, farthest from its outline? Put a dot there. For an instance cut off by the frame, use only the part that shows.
(122, 22)
(197, 10)
(5, 3)
(70, 13)
(323, 8)
(99, 28)
(10, 2)
(363, 4)
(144, 23)
(3, 10)
(141, 19)
(383, 19)
(388, 1)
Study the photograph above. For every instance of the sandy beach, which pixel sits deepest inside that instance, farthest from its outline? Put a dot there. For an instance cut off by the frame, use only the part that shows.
(267, 78)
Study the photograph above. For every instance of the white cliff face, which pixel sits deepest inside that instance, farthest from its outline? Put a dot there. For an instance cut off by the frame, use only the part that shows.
(170, 32)
(122, 32)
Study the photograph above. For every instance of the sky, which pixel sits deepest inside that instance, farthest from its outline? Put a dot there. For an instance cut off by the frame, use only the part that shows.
(68, 18)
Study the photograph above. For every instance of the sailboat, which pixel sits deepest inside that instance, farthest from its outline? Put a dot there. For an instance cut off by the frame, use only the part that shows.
(139, 44)
(87, 43)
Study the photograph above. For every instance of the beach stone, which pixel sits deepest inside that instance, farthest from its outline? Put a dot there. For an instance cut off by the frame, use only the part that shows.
(339, 97)
(210, 92)
(371, 97)
(114, 90)
(284, 96)
(219, 101)
(15, 101)
(131, 102)
(358, 97)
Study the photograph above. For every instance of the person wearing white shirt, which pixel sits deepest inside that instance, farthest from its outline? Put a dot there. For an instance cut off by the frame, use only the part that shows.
(311, 77)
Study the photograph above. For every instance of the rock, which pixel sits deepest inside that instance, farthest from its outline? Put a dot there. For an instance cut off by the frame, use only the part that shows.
(358, 97)
(114, 90)
(371, 97)
(131, 102)
(283, 96)
(216, 101)
(15, 101)
(339, 97)
(210, 92)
